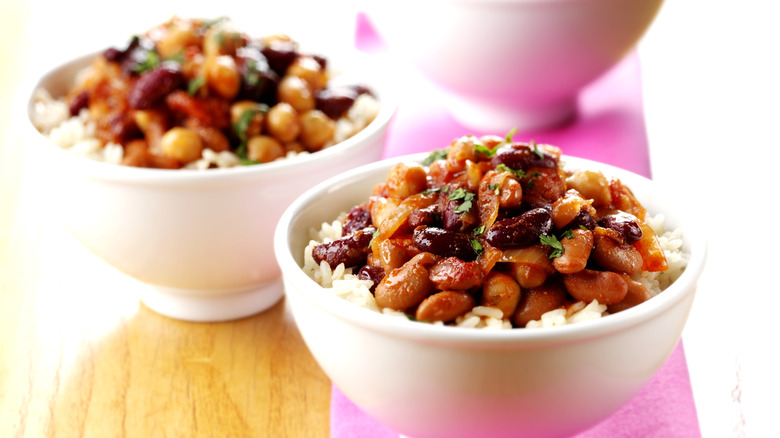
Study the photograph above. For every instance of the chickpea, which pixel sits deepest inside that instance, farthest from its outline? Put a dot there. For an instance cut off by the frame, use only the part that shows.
(264, 149)
(181, 144)
(296, 92)
(316, 130)
(406, 179)
(295, 146)
(592, 185)
(178, 37)
(308, 69)
(282, 122)
(511, 193)
(255, 125)
(222, 76)
(220, 40)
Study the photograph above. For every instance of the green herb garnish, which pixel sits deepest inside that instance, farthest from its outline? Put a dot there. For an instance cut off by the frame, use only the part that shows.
(439, 154)
(509, 135)
(480, 230)
(554, 243)
(495, 188)
(195, 85)
(535, 149)
(516, 172)
(476, 245)
(461, 194)
(150, 61)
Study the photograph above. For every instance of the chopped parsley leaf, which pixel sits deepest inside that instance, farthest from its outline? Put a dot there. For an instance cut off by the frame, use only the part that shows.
(554, 243)
(480, 230)
(484, 150)
(475, 245)
(439, 154)
(509, 135)
(535, 149)
(150, 61)
(569, 234)
(495, 188)
(466, 197)
(504, 168)
(195, 85)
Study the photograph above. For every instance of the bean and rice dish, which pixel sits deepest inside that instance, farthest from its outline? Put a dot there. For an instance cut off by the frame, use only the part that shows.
(493, 233)
(194, 93)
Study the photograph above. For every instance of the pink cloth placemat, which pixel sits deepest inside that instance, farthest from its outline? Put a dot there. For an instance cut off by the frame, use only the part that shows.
(609, 128)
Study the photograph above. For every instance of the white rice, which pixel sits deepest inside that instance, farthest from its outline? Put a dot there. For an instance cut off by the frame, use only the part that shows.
(345, 284)
(77, 134)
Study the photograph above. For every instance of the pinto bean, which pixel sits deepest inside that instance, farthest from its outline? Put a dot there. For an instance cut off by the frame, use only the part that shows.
(637, 293)
(537, 301)
(616, 256)
(445, 306)
(528, 276)
(501, 291)
(393, 253)
(588, 285)
(452, 273)
(404, 287)
(576, 251)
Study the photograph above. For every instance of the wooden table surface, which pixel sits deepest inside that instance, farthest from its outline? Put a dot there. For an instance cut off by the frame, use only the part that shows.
(81, 357)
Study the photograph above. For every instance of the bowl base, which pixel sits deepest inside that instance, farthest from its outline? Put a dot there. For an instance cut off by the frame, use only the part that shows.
(228, 305)
(501, 119)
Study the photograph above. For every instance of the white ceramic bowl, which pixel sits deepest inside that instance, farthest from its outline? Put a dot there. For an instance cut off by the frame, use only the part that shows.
(428, 381)
(201, 242)
(512, 63)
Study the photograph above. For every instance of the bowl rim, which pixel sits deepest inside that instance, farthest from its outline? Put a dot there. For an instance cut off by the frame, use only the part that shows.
(297, 282)
(371, 67)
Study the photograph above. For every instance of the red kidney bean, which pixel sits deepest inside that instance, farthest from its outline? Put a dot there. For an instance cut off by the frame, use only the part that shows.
(358, 218)
(351, 250)
(427, 216)
(258, 81)
(373, 273)
(583, 219)
(537, 301)
(588, 285)
(520, 231)
(452, 273)
(78, 103)
(151, 87)
(123, 127)
(625, 224)
(335, 101)
(280, 54)
(444, 306)
(118, 54)
(444, 243)
(522, 156)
